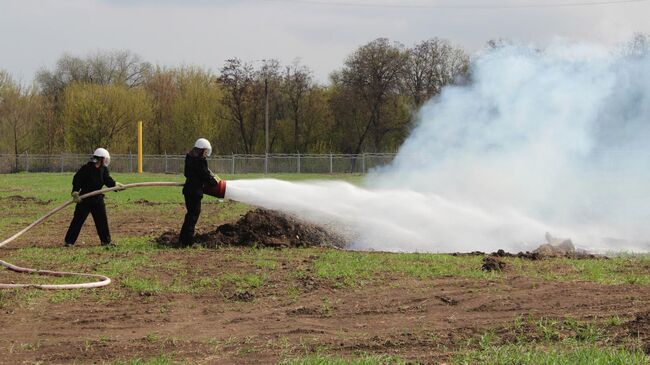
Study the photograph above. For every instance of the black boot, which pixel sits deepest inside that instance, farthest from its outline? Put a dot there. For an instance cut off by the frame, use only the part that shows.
(108, 245)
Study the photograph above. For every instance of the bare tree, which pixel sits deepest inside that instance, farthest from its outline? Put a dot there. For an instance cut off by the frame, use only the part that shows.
(103, 68)
(237, 79)
(297, 83)
(431, 65)
(638, 46)
(268, 89)
(372, 74)
(117, 67)
(498, 43)
(4, 79)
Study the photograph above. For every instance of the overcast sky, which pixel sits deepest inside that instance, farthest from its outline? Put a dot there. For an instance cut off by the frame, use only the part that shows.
(34, 33)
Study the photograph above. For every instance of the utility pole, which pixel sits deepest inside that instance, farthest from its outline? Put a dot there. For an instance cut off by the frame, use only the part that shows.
(266, 114)
(266, 124)
(265, 73)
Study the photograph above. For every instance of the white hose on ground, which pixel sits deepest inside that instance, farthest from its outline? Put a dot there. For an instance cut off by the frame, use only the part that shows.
(103, 280)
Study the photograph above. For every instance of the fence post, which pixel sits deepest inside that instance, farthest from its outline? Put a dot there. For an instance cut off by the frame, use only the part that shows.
(331, 167)
(363, 163)
(266, 163)
(298, 162)
(130, 162)
(26, 161)
(166, 163)
(232, 164)
(61, 162)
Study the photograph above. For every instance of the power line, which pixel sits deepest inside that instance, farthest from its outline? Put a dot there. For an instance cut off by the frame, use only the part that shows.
(465, 7)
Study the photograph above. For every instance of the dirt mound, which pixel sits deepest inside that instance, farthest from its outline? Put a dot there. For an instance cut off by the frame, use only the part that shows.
(554, 247)
(538, 254)
(501, 253)
(26, 199)
(522, 255)
(492, 263)
(262, 228)
(547, 251)
(168, 238)
(146, 202)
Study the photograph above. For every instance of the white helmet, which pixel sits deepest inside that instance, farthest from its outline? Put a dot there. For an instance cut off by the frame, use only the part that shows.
(103, 153)
(203, 144)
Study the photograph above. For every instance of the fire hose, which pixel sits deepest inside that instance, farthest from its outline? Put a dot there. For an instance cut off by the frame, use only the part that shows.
(217, 191)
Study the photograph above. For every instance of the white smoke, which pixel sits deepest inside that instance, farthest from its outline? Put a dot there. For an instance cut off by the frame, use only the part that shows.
(536, 141)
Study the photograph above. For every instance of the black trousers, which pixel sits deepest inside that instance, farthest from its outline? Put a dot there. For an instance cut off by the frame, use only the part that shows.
(193, 205)
(97, 208)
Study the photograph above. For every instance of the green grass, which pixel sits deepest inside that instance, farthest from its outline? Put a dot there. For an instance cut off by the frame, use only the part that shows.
(134, 265)
(566, 330)
(556, 355)
(355, 268)
(358, 267)
(65, 295)
(146, 285)
(616, 270)
(320, 359)
(550, 341)
(50, 257)
(159, 360)
(244, 281)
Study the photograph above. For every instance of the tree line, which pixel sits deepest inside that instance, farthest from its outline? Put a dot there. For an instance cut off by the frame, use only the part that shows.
(86, 102)
(367, 106)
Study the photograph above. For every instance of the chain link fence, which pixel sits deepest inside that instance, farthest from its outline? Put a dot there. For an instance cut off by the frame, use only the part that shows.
(229, 164)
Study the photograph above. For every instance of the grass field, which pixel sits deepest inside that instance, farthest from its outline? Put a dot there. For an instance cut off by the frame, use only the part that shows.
(297, 306)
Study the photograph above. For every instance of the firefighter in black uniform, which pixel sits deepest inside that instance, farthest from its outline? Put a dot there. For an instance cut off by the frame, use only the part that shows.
(197, 175)
(91, 177)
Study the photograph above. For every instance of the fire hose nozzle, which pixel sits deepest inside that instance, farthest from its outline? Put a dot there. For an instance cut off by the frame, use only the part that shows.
(218, 191)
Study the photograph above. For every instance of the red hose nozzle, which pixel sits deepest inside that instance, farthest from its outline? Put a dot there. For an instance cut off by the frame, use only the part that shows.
(218, 191)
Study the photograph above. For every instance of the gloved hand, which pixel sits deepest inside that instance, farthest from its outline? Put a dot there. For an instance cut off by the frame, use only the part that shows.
(119, 186)
(75, 197)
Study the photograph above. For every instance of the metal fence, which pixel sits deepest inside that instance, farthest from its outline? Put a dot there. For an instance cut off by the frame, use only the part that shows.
(232, 164)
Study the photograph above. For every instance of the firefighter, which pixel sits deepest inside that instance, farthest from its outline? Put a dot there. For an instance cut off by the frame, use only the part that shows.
(197, 174)
(91, 177)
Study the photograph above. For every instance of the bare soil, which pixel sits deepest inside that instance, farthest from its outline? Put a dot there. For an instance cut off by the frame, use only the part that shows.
(640, 328)
(418, 319)
(421, 320)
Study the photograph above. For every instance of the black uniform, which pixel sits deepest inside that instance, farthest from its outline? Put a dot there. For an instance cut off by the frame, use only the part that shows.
(90, 178)
(197, 175)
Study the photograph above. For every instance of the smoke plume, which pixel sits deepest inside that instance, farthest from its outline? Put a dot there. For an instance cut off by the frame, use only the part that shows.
(536, 141)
